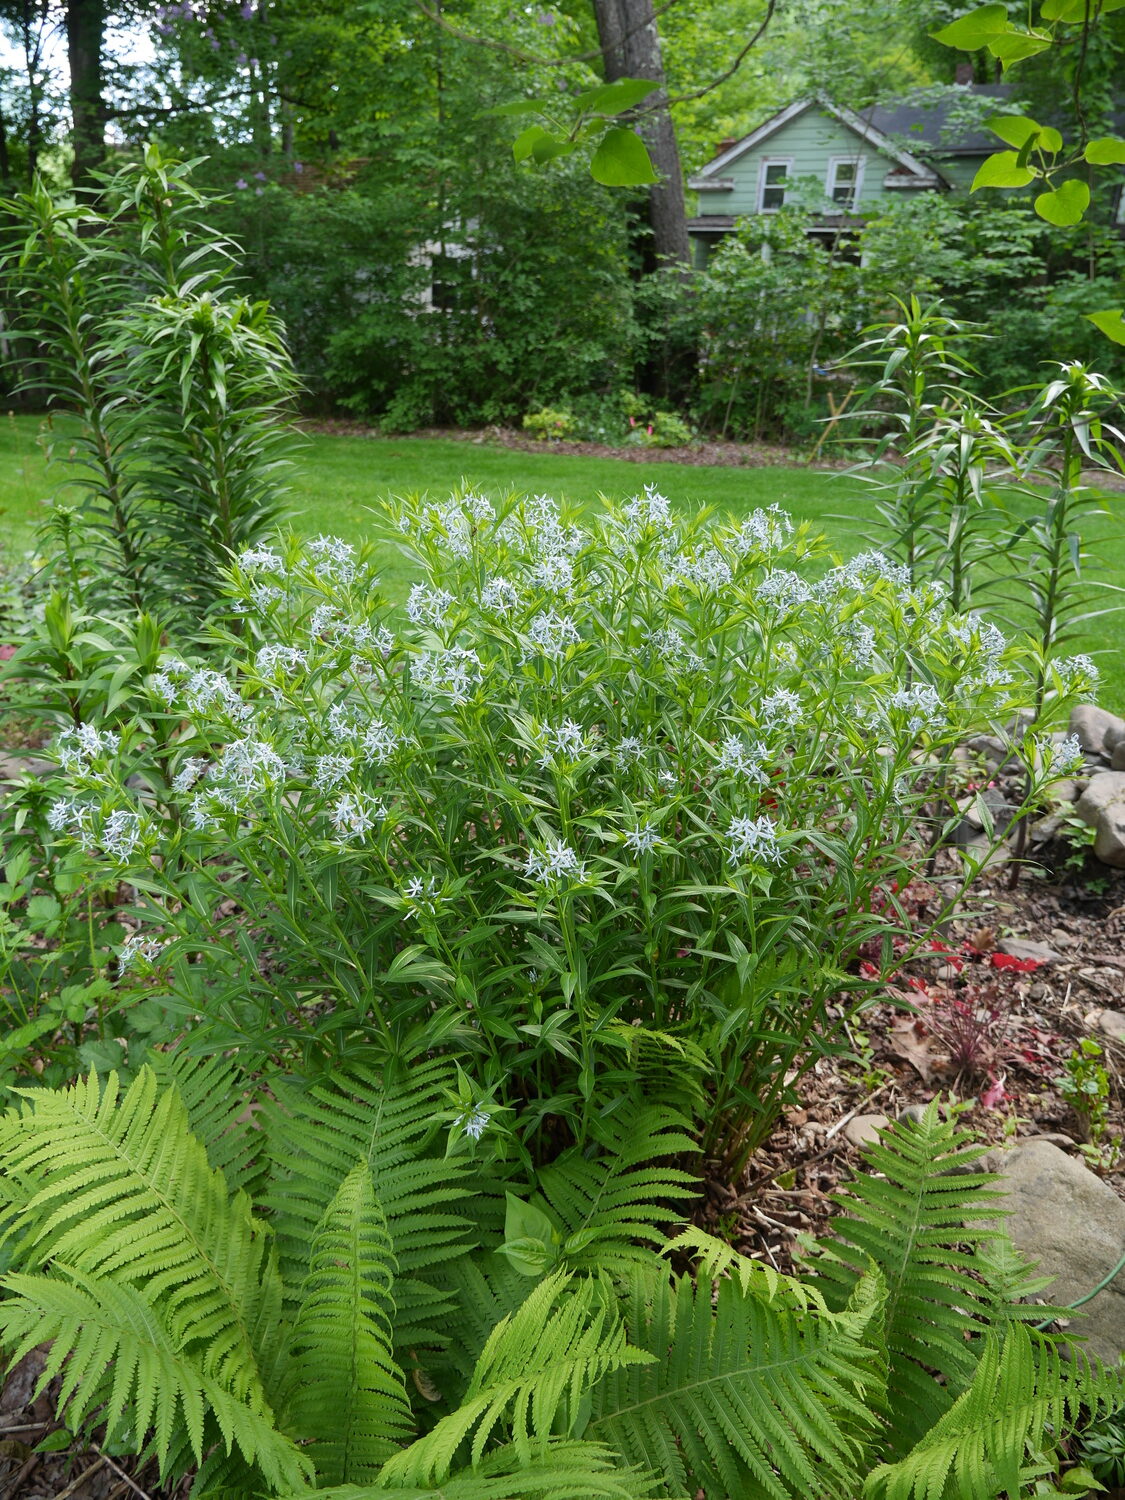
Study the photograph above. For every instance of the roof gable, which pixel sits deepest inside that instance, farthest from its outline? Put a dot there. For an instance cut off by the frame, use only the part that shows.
(716, 169)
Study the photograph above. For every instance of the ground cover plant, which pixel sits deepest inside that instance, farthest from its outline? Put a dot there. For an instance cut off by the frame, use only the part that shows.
(377, 1323)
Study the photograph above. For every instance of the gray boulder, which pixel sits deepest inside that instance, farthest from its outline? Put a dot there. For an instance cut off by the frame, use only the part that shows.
(1072, 1224)
(1117, 756)
(1092, 724)
(1102, 805)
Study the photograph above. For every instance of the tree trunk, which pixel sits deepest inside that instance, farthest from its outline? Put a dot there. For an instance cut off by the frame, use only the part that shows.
(85, 36)
(630, 46)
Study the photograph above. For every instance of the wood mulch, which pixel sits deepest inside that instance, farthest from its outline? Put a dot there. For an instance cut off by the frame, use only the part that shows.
(1040, 1017)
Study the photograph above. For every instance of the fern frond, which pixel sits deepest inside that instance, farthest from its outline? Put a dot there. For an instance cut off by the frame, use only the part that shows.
(124, 1192)
(486, 1289)
(919, 1222)
(349, 1397)
(106, 1335)
(565, 1470)
(219, 1105)
(609, 1199)
(536, 1366)
(716, 1259)
(745, 1397)
(316, 1137)
(1022, 1397)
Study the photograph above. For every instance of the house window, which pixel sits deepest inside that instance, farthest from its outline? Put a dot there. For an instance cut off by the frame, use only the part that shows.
(774, 180)
(845, 174)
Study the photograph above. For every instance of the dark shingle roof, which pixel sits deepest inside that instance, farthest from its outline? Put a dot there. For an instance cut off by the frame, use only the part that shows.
(934, 124)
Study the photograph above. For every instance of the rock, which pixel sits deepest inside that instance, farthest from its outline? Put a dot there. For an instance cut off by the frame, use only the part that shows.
(1102, 805)
(1113, 737)
(1055, 1138)
(1072, 1224)
(864, 1129)
(1117, 756)
(1045, 829)
(990, 803)
(915, 1112)
(1066, 789)
(1111, 1023)
(1023, 948)
(1091, 724)
(13, 766)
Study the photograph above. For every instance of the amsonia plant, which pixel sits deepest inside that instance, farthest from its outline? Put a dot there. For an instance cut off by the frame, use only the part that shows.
(613, 805)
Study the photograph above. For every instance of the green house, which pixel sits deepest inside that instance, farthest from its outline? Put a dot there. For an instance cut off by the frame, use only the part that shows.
(862, 162)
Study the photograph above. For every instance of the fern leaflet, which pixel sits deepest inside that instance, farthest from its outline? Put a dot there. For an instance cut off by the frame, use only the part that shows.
(349, 1396)
(611, 1204)
(317, 1136)
(745, 1398)
(100, 1327)
(919, 1223)
(535, 1367)
(125, 1191)
(1022, 1390)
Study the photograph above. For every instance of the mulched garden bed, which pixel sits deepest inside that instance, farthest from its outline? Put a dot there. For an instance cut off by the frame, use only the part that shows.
(703, 453)
(1040, 1016)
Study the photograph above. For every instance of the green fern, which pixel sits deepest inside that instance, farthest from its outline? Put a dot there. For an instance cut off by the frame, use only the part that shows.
(612, 1203)
(535, 1368)
(564, 1470)
(919, 1221)
(317, 1135)
(99, 1326)
(1021, 1391)
(125, 1192)
(349, 1395)
(745, 1397)
(220, 1108)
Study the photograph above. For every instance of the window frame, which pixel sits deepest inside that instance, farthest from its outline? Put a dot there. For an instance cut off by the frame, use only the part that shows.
(856, 160)
(765, 163)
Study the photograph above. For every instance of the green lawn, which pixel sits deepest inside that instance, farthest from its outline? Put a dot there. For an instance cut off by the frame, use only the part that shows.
(337, 481)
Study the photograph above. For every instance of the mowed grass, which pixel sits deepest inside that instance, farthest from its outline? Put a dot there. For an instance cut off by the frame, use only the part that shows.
(337, 482)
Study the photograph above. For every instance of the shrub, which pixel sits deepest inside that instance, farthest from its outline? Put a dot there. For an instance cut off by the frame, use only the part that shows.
(549, 422)
(611, 809)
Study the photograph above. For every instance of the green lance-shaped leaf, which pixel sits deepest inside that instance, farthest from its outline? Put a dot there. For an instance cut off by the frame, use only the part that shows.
(975, 30)
(349, 1394)
(1066, 204)
(622, 160)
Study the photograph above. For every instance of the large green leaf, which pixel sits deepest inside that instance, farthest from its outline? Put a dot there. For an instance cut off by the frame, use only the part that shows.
(1015, 46)
(1017, 130)
(622, 160)
(1002, 169)
(977, 29)
(1106, 151)
(1111, 323)
(615, 98)
(1066, 204)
